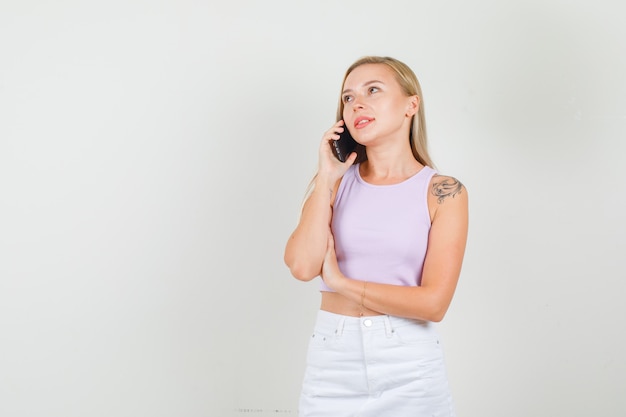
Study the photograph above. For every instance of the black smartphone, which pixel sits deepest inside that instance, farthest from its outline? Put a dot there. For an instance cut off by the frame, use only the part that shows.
(343, 146)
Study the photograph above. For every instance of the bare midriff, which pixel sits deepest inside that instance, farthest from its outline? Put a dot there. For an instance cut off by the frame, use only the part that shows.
(336, 303)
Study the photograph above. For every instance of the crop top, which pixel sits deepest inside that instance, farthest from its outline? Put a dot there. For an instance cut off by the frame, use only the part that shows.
(381, 231)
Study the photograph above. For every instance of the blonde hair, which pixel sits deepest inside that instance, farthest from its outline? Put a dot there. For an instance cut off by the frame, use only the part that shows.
(411, 87)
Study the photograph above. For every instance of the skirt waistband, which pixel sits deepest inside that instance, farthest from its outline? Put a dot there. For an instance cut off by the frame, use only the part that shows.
(329, 323)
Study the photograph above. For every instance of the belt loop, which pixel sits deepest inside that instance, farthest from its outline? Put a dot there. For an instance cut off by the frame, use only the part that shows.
(388, 327)
(340, 325)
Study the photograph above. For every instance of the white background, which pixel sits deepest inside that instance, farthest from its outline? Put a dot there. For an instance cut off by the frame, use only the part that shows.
(154, 156)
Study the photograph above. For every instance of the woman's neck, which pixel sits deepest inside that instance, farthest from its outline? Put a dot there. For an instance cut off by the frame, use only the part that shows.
(389, 168)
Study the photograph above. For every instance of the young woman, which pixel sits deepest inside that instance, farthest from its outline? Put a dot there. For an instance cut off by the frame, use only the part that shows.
(387, 235)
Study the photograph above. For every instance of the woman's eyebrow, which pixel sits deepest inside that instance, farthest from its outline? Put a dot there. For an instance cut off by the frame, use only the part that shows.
(348, 90)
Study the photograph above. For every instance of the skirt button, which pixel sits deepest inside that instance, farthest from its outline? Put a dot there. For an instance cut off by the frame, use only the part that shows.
(367, 323)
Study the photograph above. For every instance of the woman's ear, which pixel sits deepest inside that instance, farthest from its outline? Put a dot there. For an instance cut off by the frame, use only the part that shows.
(413, 107)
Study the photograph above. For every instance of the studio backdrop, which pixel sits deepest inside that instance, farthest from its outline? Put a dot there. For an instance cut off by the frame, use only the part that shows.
(154, 157)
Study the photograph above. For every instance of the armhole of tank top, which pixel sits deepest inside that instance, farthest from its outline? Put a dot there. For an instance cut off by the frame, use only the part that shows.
(429, 179)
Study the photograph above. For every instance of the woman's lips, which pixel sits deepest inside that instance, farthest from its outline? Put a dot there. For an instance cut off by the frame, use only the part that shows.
(361, 122)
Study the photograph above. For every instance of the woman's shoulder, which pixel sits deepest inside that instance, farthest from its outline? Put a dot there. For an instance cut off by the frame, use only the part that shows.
(444, 187)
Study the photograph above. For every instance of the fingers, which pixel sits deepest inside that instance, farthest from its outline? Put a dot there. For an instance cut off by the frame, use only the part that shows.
(334, 131)
(330, 246)
(329, 165)
(327, 159)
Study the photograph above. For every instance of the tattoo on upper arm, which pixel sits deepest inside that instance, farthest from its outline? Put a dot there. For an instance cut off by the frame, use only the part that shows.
(446, 187)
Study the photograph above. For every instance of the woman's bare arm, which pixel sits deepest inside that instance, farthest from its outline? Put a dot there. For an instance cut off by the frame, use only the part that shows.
(306, 247)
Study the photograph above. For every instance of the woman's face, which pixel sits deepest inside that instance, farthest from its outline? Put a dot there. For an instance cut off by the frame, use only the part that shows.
(375, 106)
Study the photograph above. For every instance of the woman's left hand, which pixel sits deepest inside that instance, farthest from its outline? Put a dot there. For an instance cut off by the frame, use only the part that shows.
(331, 274)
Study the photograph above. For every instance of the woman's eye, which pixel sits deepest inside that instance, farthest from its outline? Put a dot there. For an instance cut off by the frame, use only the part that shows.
(373, 90)
(347, 99)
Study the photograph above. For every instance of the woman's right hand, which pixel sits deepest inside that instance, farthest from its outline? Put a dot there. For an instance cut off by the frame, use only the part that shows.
(330, 167)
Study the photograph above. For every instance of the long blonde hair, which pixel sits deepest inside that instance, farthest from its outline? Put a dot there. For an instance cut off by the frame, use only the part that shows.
(411, 87)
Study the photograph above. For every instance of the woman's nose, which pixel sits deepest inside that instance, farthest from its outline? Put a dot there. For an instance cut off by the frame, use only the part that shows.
(357, 104)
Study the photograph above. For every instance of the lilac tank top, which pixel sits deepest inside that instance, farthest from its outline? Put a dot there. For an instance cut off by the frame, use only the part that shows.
(381, 231)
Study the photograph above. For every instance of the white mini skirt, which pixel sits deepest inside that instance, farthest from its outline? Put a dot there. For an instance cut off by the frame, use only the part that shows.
(374, 367)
